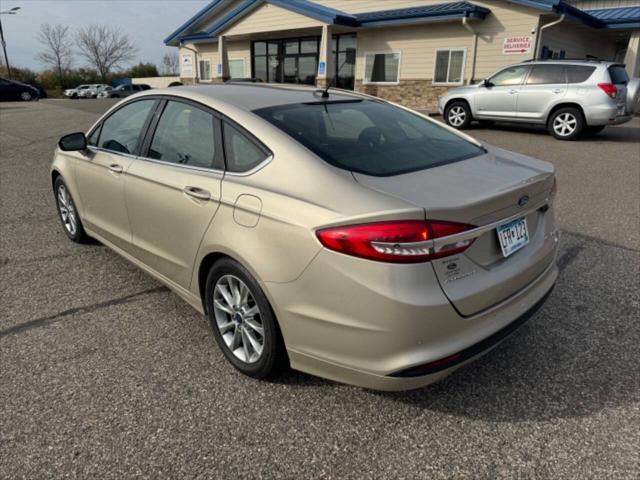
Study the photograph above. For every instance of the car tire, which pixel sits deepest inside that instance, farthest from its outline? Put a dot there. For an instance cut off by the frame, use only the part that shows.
(594, 130)
(68, 213)
(244, 324)
(566, 123)
(458, 115)
(26, 96)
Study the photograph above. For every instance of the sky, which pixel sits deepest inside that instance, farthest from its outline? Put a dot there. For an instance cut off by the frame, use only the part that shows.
(147, 22)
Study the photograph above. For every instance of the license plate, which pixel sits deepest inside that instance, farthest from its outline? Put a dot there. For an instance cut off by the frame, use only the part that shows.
(513, 236)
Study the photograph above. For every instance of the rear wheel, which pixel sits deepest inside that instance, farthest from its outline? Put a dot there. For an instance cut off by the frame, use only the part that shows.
(242, 320)
(26, 96)
(566, 124)
(68, 213)
(458, 115)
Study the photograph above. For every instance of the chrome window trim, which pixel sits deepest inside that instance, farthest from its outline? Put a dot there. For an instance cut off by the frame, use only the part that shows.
(95, 149)
(179, 165)
(253, 170)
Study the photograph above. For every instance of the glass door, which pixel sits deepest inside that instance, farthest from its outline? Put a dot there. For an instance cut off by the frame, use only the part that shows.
(344, 54)
(291, 60)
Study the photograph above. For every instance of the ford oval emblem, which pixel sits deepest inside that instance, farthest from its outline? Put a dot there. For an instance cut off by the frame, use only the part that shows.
(523, 200)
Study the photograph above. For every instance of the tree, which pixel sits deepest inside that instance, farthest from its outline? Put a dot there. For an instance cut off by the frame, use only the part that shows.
(171, 63)
(57, 52)
(143, 70)
(105, 48)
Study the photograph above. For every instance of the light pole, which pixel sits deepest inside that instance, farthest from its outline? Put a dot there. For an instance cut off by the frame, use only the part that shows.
(11, 11)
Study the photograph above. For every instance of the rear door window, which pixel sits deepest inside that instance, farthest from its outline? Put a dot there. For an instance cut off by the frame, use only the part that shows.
(547, 74)
(121, 131)
(579, 73)
(186, 135)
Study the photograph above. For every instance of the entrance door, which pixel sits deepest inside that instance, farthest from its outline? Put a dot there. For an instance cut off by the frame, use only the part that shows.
(344, 54)
(291, 60)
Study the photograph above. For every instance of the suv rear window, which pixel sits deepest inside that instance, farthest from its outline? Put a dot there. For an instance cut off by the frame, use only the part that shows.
(370, 137)
(618, 75)
(578, 73)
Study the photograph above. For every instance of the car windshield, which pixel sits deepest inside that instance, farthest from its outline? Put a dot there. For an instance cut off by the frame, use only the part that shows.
(370, 137)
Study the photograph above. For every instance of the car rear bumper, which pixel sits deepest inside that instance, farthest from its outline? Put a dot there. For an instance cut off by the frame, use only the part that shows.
(366, 323)
(606, 115)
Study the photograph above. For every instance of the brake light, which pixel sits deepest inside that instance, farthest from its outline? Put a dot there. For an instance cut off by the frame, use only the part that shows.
(403, 241)
(609, 88)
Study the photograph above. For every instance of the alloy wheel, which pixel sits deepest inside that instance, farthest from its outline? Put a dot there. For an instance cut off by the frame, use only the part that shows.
(67, 210)
(565, 124)
(26, 96)
(457, 116)
(238, 318)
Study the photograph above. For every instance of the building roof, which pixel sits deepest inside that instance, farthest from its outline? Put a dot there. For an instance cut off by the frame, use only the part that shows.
(625, 17)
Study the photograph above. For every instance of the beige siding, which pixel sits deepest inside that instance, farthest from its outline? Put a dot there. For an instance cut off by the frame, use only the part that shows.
(578, 41)
(592, 4)
(270, 18)
(240, 49)
(418, 43)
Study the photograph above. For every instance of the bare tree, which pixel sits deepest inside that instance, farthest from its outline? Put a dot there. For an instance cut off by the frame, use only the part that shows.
(170, 63)
(57, 50)
(105, 48)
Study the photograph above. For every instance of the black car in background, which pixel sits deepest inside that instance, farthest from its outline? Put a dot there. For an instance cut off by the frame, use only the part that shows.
(12, 90)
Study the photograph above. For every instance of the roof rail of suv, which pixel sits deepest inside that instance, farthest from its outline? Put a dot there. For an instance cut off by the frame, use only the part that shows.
(595, 60)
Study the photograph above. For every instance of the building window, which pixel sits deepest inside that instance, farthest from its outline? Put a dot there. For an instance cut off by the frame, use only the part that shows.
(205, 70)
(382, 68)
(236, 68)
(449, 66)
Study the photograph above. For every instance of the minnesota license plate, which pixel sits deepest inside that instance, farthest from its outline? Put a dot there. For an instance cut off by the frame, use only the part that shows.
(513, 236)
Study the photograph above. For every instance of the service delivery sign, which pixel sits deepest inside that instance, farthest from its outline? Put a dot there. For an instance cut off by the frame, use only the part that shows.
(516, 45)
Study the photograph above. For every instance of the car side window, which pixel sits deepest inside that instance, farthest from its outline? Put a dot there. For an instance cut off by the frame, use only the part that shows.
(579, 73)
(121, 131)
(186, 135)
(92, 139)
(547, 74)
(509, 76)
(241, 153)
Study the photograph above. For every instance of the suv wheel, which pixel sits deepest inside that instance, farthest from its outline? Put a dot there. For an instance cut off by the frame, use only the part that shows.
(242, 320)
(566, 124)
(458, 115)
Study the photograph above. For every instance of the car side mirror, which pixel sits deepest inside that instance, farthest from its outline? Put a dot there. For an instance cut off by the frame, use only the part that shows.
(487, 83)
(74, 142)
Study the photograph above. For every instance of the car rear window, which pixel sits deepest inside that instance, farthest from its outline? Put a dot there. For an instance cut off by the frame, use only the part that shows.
(618, 75)
(578, 73)
(370, 137)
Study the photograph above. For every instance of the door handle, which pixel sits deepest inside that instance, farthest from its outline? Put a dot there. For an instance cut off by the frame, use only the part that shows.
(196, 192)
(558, 90)
(511, 92)
(115, 168)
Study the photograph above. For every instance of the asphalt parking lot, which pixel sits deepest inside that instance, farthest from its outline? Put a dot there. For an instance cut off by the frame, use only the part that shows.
(104, 373)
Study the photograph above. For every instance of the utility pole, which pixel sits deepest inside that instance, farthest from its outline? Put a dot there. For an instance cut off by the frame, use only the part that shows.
(12, 11)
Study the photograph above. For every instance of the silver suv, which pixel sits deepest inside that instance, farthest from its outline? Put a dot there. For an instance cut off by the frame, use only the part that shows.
(570, 97)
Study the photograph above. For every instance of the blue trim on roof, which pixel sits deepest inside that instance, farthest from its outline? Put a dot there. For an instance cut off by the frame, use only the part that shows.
(438, 12)
(319, 12)
(622, 17)
(548, 5)
(192, 21)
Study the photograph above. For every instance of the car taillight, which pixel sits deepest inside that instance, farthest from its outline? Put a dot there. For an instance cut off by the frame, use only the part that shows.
(609, 88)
(403, 241)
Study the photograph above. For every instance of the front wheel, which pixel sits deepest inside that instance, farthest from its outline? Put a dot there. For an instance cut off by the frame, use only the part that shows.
(242, 320)
(68, 213)
(458, 115)
(566, 124)
(26, 96)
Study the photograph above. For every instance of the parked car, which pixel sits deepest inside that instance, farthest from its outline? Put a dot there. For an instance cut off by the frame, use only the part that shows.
(358, 240)
(570, 97)
(75, 92)
(124, 91)
(94, 90)
(13, 90)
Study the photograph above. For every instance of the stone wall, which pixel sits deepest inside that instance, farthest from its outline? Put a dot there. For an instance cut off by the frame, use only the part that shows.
(417, 94)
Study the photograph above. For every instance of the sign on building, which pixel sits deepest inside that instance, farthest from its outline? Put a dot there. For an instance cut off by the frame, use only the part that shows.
(516, 45)
(186, 66)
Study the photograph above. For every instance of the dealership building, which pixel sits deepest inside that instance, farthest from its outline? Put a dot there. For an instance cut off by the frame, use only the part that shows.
(409, 51)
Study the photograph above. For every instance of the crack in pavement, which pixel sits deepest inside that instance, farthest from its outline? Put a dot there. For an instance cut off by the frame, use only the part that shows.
(46, 321)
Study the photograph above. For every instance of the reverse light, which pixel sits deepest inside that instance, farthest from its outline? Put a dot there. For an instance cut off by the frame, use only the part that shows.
(609, 88)
(403, 241)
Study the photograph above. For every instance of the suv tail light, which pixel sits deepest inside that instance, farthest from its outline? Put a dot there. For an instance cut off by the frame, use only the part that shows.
(609, 88)
(403, 241)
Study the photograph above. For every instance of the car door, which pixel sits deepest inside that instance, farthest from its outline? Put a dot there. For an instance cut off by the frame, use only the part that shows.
(173, 191)
(498, 97)
(545, 85)
(100, 175)
(5, 90)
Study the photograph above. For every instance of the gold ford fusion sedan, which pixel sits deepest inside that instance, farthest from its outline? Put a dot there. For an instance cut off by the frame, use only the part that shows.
(346, 236)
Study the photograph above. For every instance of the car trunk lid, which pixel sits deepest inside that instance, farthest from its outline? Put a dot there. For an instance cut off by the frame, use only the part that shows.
(486, 191)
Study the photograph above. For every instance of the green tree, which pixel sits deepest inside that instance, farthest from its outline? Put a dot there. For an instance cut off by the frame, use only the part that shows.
(143, 70)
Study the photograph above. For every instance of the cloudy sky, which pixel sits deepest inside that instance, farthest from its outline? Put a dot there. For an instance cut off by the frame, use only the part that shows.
(147, 22)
